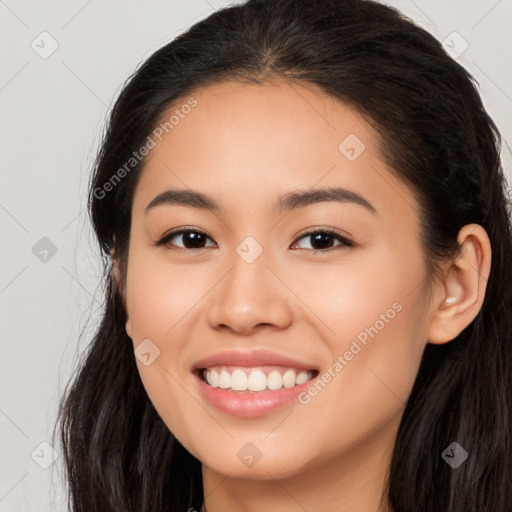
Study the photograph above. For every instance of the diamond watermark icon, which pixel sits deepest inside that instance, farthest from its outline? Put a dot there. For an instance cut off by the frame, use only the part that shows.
(44, 455)
(249, 249)
(249, 454)
(455, 45)
(146, 352)
(44, 45)
(44, 250)
(351, 147)
(454, 455)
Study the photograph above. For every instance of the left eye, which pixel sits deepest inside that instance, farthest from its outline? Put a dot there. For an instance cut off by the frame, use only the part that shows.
(324, 239)
(195, 239)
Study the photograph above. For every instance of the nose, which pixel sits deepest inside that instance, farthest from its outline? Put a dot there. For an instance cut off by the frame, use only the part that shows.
(250, 297)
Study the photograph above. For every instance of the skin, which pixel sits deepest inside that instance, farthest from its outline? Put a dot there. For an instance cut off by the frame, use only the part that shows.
(245, 145)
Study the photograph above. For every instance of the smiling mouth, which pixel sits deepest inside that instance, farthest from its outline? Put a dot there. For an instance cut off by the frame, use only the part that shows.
(254, 379)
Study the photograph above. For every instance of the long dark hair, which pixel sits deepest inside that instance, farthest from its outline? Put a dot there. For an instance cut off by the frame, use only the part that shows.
(437, 138)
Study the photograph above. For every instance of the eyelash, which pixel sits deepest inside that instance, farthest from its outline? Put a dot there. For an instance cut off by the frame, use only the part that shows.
(345, 242)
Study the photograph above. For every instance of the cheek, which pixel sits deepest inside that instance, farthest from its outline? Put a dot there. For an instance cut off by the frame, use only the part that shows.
(364, 295)
(160, 304)
(160, 295)
(371, 315)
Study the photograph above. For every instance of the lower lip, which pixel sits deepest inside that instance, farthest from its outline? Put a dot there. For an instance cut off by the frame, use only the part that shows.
(248, 404)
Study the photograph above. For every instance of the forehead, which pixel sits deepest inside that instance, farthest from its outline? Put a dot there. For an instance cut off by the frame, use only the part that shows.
(252, 143)
(280, 122)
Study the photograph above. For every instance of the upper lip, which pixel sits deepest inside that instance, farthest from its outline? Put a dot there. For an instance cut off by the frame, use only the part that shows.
(250, 359)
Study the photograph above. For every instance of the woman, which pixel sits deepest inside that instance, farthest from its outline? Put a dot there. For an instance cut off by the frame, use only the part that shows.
(308, 281)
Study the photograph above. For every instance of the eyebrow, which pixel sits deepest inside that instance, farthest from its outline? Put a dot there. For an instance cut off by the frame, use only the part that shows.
(287, 202)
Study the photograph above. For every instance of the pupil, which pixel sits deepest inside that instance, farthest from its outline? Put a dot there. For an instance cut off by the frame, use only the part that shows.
(193, 238)
(318, 240)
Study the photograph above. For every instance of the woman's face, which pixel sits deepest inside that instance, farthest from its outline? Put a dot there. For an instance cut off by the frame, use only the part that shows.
(250, 301)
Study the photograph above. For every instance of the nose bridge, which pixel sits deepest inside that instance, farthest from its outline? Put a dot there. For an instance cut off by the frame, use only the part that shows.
(249, 261)
(249, 294)
(249, 281)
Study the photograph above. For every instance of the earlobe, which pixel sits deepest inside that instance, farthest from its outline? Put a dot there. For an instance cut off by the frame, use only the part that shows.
(129, 330)
(115, 270)
(462, 290)
(118, 279)
(114, 262)
(116, 274)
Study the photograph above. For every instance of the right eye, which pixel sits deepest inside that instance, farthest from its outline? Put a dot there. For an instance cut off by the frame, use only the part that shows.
(192, 239)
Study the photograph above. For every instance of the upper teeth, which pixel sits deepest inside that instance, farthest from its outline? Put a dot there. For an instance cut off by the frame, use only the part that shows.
(255, 380)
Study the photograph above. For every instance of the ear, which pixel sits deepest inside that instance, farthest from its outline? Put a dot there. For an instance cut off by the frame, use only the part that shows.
(116, 267)
(128, 328)
(459, 296)
(117, 275)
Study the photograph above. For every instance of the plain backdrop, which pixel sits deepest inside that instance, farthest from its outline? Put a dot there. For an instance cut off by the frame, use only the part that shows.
(62, 64)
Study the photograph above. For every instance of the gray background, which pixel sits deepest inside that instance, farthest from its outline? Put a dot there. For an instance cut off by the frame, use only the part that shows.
(52, 113)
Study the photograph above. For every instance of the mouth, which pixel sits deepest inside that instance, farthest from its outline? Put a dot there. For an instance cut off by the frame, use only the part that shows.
(254, 383)
(254, 379)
